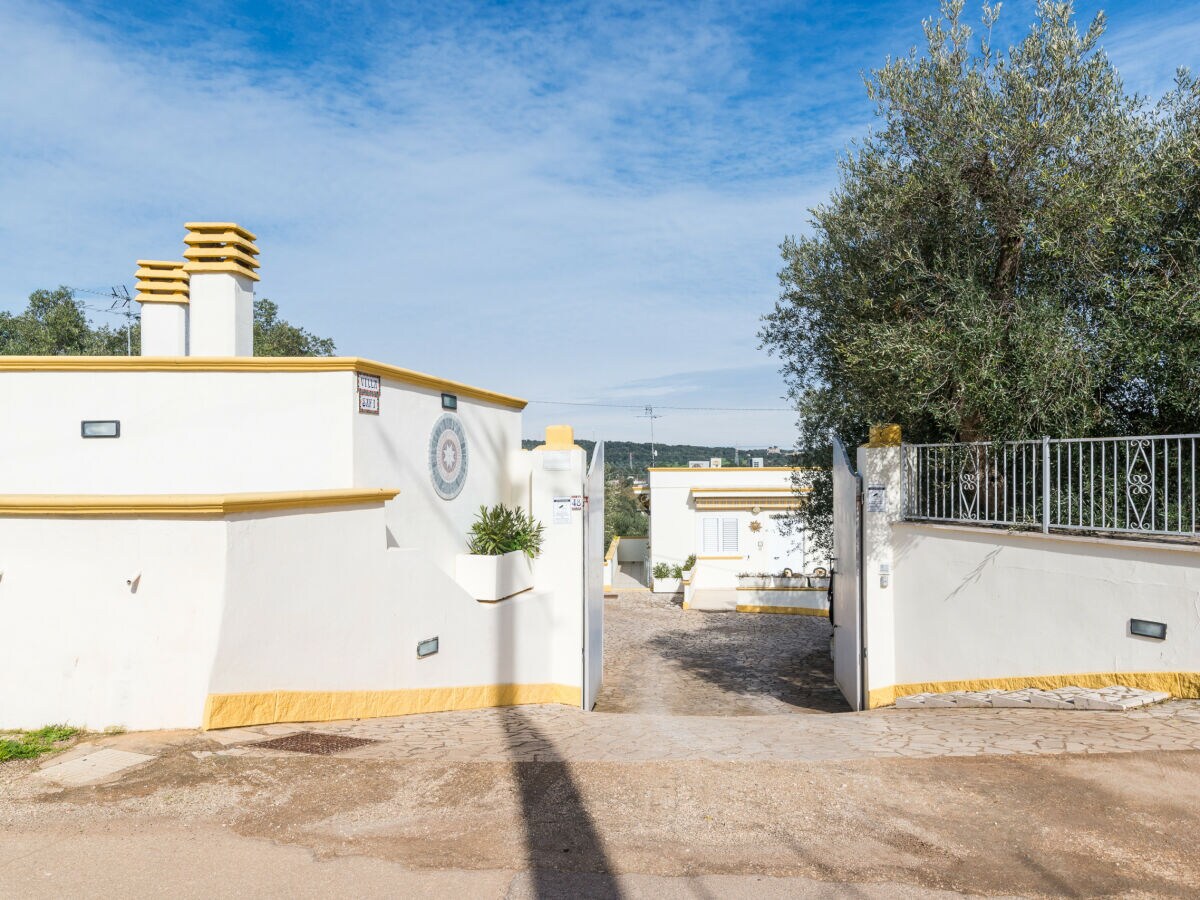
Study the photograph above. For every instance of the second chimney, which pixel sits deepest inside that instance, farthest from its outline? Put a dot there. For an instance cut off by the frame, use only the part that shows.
(221, 259)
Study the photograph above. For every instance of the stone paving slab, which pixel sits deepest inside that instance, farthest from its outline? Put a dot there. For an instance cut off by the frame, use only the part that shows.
(548, 733)
(92, 768)
(1113, 697)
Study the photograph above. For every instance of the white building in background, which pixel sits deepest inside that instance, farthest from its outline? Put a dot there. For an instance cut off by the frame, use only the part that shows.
(201, 537)
(729, 519)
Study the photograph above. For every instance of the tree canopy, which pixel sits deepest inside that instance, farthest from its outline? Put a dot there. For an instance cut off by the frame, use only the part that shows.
(1012, 252)
(56, 324)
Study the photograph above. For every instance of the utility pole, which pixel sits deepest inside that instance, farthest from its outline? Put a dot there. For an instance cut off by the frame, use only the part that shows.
(649, 414)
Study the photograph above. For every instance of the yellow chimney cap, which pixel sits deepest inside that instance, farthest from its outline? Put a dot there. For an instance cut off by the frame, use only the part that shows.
(226, 251)
(160, 263)
(210, 227)
(228, 267)
(166, 276)
(559, 437)
(220, 237)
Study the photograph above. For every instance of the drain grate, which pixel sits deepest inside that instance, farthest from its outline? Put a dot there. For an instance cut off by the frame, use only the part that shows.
(314, 742)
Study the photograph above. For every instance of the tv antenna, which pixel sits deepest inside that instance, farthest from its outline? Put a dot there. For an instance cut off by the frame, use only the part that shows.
(649, 414)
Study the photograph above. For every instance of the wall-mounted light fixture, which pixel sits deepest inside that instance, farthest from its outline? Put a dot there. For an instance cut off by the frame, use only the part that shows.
(449, 401)
(100, 428)
(427, 647)
(1144, 628)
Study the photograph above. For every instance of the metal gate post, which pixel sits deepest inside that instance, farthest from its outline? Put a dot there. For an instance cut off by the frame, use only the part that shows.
(1045, 485)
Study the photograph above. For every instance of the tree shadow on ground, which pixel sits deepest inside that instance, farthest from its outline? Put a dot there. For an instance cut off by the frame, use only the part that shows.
(566, 855)
(744, 660)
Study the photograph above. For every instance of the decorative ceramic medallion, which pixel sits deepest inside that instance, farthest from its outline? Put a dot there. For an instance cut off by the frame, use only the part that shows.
(756, 526)
(448, 457)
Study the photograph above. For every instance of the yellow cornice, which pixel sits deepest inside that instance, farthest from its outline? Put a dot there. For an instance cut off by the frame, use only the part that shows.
(735, 469)
(217, 227)
(251, 364)
(179, 297)
(745, 490)
(183, 505)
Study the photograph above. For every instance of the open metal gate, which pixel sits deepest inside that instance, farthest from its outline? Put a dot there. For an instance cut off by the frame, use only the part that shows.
(846, 598)
(593, 579)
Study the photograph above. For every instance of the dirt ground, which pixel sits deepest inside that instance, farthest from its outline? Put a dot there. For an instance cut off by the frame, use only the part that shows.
(533, 815)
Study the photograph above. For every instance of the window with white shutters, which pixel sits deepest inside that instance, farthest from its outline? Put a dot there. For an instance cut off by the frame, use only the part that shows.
(718, 535)
(729, 532)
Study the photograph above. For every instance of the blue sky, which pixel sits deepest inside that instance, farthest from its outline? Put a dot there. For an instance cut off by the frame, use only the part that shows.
(562, 201)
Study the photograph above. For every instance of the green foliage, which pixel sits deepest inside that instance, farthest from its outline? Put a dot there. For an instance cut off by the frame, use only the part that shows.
(1013, 252)
(54, 323)
(676, 571)
(689, 563)
(499, 530)
(274, 336)
(623, 513)
(661, 570)
(31, 744)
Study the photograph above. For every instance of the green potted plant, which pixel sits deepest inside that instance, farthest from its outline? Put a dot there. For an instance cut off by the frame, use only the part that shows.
(502, 542)
(666, 578)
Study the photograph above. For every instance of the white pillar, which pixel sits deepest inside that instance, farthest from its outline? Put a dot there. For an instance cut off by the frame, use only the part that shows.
(558, 471)
(879, 464)
(162, 291)
(222, 259)
(222, 315)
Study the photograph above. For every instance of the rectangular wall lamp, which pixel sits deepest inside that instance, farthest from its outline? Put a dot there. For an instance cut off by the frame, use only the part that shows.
(449, 401)
(100, 428)
(1144, 628)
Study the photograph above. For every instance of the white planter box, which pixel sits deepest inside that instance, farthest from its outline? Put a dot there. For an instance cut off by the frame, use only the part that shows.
(771, 582)
(667, 585)
(491, 578)
(819, 581)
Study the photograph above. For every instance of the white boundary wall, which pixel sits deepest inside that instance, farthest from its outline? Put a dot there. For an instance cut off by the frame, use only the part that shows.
(999, 608)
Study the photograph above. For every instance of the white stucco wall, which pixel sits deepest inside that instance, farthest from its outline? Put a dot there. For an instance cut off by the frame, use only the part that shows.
(392, 448)
(80, 645)
(962, 603)
(984, 604)
(181, 432)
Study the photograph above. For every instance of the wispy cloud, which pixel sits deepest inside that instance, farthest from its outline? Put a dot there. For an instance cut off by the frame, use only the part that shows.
(582, 200)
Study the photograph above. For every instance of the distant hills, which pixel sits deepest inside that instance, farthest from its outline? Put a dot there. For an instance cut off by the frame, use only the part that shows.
(634, 457)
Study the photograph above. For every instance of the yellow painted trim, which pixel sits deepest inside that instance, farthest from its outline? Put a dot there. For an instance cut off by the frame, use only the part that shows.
(166, 264)
(216, 227)
(268, 707)
(766, 589)
(709, 506)
(230, 267)
(559, 437)
(608, 588)
(633, 537)
(181, 299)
(168, 275)
(250, 364)
(183, 505)
(783, 610)
(1177, 684)
(745, 490)
(884, 436)
(612, 549)
(735, 469)
(720, 557)
(686, 605)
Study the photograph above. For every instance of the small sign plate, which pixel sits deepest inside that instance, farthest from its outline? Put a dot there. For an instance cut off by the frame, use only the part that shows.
(577, 503)
(562, 511)
(368, 403)
(368, 384)
(876, 498)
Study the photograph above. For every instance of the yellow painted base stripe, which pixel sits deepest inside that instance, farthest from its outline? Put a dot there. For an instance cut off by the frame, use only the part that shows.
(268, 707)
(1177, 684)
(184, 505)
(783, 610)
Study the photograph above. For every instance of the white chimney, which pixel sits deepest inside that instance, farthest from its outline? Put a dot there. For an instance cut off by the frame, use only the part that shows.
(221, 259)
(162, 290)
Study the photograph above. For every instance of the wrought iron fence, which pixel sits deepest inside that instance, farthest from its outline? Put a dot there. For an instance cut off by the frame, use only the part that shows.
(1142, 485)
